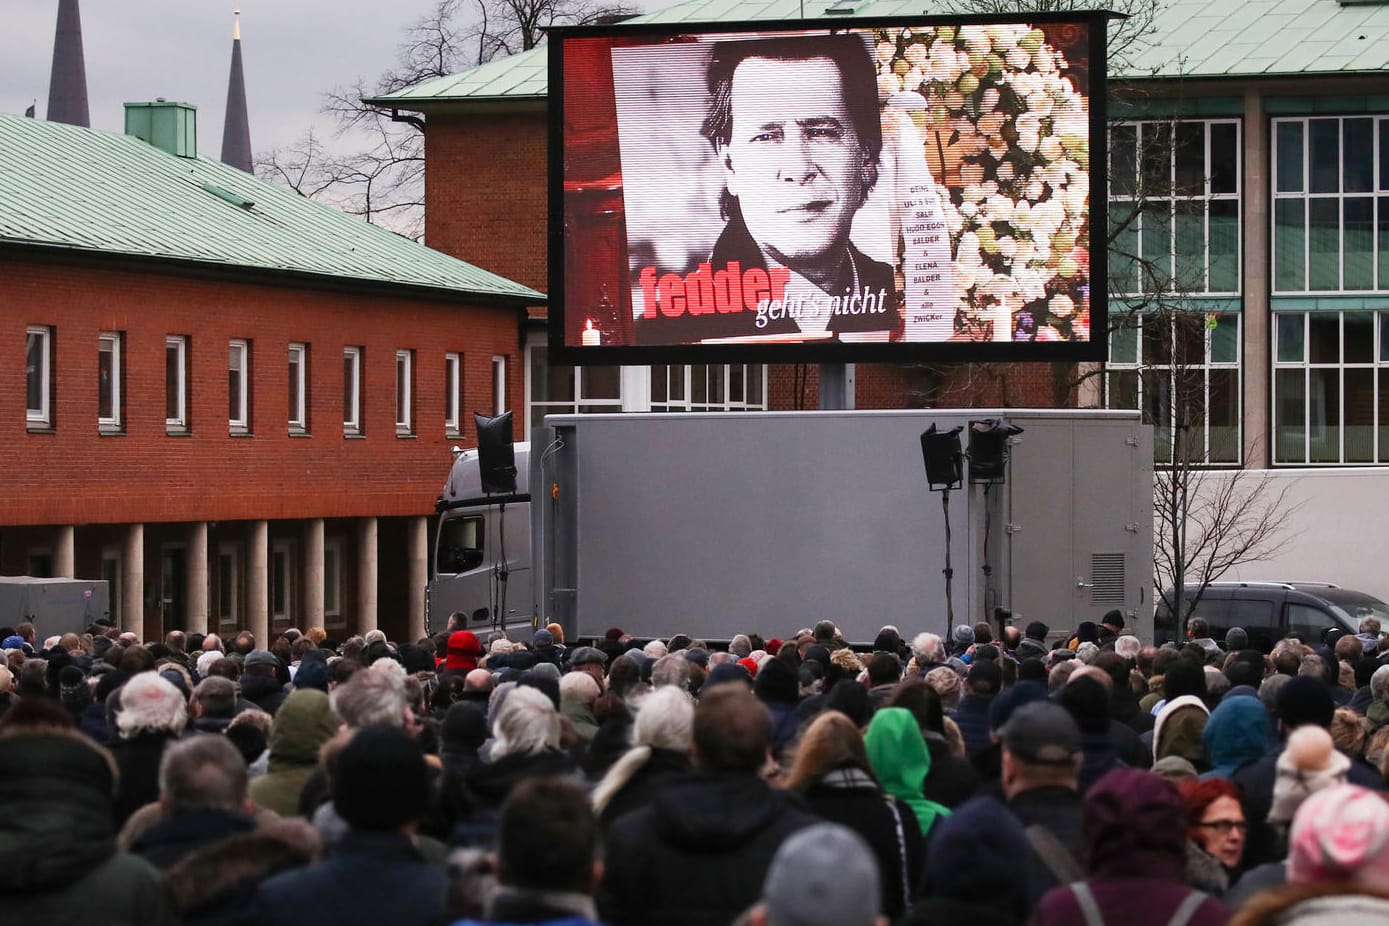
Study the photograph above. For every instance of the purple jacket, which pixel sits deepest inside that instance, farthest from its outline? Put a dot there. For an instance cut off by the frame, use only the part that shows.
(1135, 829)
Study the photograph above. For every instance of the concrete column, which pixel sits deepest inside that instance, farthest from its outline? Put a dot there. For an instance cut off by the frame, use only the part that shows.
(197, 577)
(419, 575)
(313, 573)
(366, 575)
(133, 581)
(65, 553)
(1257, 372)
(257, 582)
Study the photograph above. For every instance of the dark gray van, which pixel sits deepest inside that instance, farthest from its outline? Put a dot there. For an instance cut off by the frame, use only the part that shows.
(1269, 611)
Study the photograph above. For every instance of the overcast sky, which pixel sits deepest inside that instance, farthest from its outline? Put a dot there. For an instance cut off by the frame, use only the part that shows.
(138, 50)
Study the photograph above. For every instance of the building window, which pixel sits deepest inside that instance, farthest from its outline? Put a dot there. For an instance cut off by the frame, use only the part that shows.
(1331, 387)
(708, 388)
(1174, 208)
(498, 385)
(352, 390)
(282, 567)
(108, 371)
(1330, 229)
(39, 563)
(453, 394)
(332, 582)
(228, 583)
(1182, 369)
(404, 392)
(563, 390)
(38, 351)
(298, 388)
(238, 387)
(176, 383)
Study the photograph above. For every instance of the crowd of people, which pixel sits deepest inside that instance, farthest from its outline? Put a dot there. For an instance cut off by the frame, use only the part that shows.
(994, 776)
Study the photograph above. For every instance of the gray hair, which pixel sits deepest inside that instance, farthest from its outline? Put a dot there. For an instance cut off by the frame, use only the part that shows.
(740, 645)
(579, 687)
(1061, 673)
(719, 658)
(149, 702)
(371, 698)
(1217, 682)
(928, 649)
(374, 636)
(1379, 683)
(527, 723)
(654, 650)
(1086, 652)
(1268, 691)
(665, 720)
(670, 670)
(203, 772)
(1128, 646)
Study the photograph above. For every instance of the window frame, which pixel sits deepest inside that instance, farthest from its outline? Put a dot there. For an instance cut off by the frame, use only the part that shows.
(687, 375)
(453, 394)
(1377, 194)
(282, 547)
(1377, 366)
(41, 417)
(1172, 196)
(230, 590)
(1165, 450)
(298, 388)
(241, 422)
(498, 383)
(352, 395)
(179, 344)
(405, 393)
(110, 342)
(333, 605)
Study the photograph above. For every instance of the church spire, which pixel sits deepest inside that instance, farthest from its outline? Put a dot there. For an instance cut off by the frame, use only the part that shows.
(236, 131)
(67, 87)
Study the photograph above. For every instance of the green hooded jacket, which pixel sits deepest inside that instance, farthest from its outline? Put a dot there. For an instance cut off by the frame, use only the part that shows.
(901, 761)
(302, 724)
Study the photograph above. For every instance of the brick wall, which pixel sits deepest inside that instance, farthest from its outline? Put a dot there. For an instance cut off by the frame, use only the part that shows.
(76, 475)
(485, 183)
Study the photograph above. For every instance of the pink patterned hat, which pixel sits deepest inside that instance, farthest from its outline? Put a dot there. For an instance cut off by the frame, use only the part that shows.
(1341, 834)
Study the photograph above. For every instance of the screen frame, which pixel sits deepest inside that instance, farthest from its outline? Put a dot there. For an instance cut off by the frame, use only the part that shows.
(1095, 350)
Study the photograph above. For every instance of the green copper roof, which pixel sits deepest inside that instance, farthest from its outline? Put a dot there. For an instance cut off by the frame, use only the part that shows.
(79, 190)
(1192, 39)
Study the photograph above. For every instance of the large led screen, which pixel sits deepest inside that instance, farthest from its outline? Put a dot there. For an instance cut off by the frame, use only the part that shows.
(878, 190)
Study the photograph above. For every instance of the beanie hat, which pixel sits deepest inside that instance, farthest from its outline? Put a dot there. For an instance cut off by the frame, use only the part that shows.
(1037, 631)
(543, 637)
(381, 780)
(729, 672)
(313, 673)
(1001, 709)
(1341, 834)
(1305, 700)
(1087, 632)
(774, 646)
(823, 875)
(749, 664)
(614, 633)
(962, 636)
(1236, 639)
(1309, 763)
(1114, 618)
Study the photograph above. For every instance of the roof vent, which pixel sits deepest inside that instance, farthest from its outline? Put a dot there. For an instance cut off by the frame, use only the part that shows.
(227, 195)
(170, 127)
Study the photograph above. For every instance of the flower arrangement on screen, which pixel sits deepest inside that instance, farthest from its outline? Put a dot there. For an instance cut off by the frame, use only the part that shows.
(1008, 134)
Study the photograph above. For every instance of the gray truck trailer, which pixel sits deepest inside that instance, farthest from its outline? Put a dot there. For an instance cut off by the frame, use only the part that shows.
(715, 524)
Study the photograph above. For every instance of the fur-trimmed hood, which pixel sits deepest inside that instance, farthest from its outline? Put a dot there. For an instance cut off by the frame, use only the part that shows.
(227, 873)
(1329, 904)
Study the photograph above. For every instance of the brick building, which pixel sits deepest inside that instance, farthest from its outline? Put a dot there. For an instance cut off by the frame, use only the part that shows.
(237, 405)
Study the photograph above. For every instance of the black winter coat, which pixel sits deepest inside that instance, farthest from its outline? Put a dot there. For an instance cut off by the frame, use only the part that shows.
(698, 854)
(58, 858)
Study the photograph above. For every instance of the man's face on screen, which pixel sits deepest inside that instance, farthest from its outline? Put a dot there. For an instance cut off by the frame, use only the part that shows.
(794, 158)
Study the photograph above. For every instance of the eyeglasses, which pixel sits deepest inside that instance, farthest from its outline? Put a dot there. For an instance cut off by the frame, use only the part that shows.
(1226, 827)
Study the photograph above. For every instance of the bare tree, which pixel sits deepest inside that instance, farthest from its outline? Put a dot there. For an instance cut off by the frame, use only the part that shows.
(375, 167)
(1208, 521)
